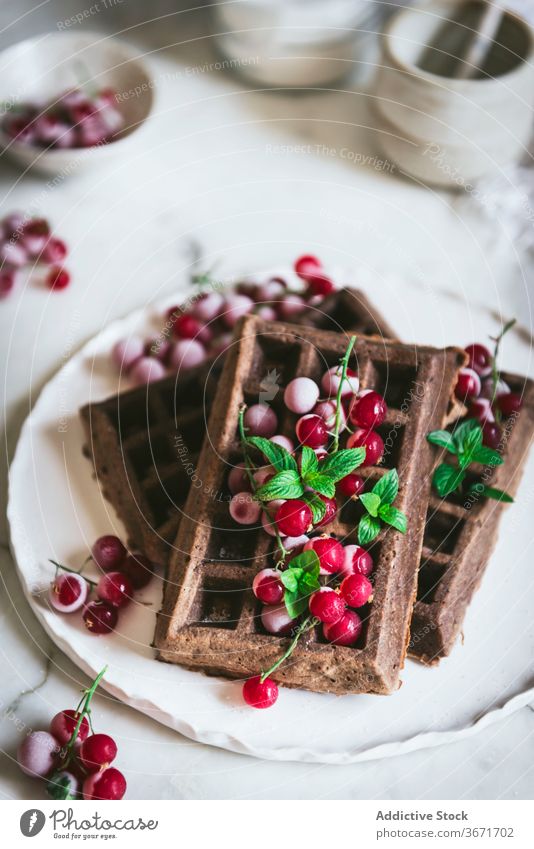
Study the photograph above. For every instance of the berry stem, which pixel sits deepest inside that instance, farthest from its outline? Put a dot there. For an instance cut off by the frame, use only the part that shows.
(495, 374)
(74, 571)
(83, 709)
(344, 365)
(309, 623)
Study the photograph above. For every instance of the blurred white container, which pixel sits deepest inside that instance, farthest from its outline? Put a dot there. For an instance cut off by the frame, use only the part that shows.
(442, 129)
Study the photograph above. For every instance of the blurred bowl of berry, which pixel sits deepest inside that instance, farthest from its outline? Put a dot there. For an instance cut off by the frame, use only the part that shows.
(70, 100)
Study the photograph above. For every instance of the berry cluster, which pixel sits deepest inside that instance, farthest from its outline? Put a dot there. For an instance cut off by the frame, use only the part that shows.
(27, 241)
(73, 759)
(123, 574)
(488, 398)
(202, 329)
(73, 120)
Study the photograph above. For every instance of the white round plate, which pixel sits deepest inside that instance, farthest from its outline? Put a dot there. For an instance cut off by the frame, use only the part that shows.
(56, 510)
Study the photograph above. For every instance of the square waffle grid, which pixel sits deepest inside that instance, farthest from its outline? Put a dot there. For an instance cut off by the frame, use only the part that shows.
(145, 443)
(210, 617)
(459, 539)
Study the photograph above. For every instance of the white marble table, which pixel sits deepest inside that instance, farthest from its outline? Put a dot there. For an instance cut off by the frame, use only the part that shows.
(255, 178)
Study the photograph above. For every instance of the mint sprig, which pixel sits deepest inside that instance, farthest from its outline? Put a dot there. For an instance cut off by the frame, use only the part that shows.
(379, 506)
(300, 579)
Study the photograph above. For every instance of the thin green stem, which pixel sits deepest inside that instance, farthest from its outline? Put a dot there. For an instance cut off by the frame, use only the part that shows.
(495, 374)
(73, 571)
(344, 365)
(309, 623)
(83, 709)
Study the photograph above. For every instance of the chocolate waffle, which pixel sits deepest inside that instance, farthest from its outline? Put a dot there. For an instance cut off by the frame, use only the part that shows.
(144, 443)
(210, 617)
(460, 535)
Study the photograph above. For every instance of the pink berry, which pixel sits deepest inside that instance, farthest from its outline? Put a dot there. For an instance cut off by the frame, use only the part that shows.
(480, 409)
(267, 586)
(293, 518)
(100, 617)
(63, 725)
(263, 475)
(208, 306)
(371, 441)
(221, 344)
(13, 253)
(283, 441)
(468, 385)
(345, 631)
(290, 306)
(54, 251)
(357, 559)
(7, 281)
(187, 353)
(266, 313)
(369, 411)
(97, 751)
(268, 525)
(326, 410)
(244, 509)
(329, 551)
(147, 370)
(37, 752)
(127, 352)
(301, 394)
(272, 290)
(115, 588)
(307, 265)
(186, 326)
(235, 307)
(480, 359)
(138, 569)
(108, 552)
(491, 435)
(68, 592)
(260, 694)
(330, 512)
(292, 543)
(13, 223)
(276, 620)
(261, 420)
(331, 380)
(509, 404)
(238, 479)
(57, 278)
(351, 486)
(108, 784)
(488, 388)
(311, 431)
(356, 590)
(326, 605)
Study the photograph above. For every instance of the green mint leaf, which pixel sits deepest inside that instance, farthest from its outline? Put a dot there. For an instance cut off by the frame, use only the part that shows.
(491, 492)
(442, 438)
(290, 580)
(316, 505)
(284, 485)
(447, 479)
(387, 487)
(307, 561)
(394, 517)
(296, 603)
(471, 444)
(309, 462)
(487, 456)
(368, 529)
(371, 502)
(341, 463)
(277, 456)
(461, 433)
(322, 484)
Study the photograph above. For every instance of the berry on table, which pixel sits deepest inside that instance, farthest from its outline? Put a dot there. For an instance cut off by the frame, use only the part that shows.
(509, 403)
(7, 281)
(97, 751)
(368, 411)
(371, 441)
(115, 588)
(480, 359)
(283, 441)
(187, 353)
(37, 753)
(54, 251)
(139, 569)
(311, 431)
(326, 605)
(235, 307)
(244, 509)
(238, 479)
(468, 385)
(357, 559)
(345, 631)
(57, 278)
(147, 370)
(329, 551)
(261, 420)
(63, 724)
(100, 617)
(356, 590)
(68, 592)
(267, 586)
(293, 518)
(331, 381)
(276, 620)
(208, 306)
(290, 306)
(186, 326)
(108, 552)
(260, 694)
(306, 266)
(108, 784)
(330, 511)
(126, 352)
(351, 485)
(301, 395)
(491, 435)
(480, 409)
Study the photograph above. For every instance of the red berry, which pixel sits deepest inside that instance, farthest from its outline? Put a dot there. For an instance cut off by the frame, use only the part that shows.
(7, 281)
(260, 694)
(97, 751)
(329, 551)
(36, 227)
(311, 431)
(330, 512)
(186, 326)
(115, 588)
(480, 409)
(509, 404)
(491, 435)
(57, 278)
(54, 251)
(293, 518)
(326, 605)
(357, 559)
(468, 385)
(352, 485)
(100, 617)
(63, 724)
(108, 553)
(139, 569)
(108, 784)
(319, 284)
(307, 265)
(368, 411)
(480, 359)
(68, 592)
(356, 590)
(345, 631)
(268, 587)
(371, 441)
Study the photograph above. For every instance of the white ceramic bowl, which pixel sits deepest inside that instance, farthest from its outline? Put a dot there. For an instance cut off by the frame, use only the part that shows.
(445, 130)
(43, 67)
